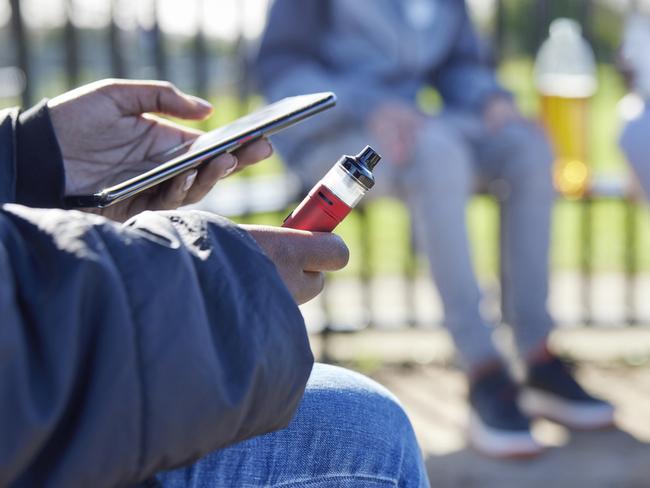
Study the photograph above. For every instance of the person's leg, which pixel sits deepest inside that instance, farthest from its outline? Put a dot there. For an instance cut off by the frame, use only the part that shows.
(635, 143)
(437, 184)
(348, 431)
(520, 157)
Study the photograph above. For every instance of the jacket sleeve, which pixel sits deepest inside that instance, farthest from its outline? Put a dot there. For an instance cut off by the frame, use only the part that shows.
(129, 350)
(8, 119)
(31, 164)
(464, 80)
(290, 60)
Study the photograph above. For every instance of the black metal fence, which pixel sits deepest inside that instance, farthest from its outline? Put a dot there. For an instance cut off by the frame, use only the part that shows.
(62, 53)
(205, 65)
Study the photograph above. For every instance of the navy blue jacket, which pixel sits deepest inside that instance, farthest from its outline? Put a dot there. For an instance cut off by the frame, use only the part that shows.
(130, 349)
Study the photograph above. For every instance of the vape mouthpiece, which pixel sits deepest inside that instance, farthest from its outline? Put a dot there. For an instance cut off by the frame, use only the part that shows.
(368, 157)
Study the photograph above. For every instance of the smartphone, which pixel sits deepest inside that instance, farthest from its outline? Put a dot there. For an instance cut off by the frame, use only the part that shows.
(265, 122)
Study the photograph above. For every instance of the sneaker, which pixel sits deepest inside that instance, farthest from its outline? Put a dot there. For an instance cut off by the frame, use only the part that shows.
(551, 392)
(497, 427)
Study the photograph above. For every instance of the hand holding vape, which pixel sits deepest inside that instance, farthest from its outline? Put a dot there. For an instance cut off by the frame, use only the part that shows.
(334, 197)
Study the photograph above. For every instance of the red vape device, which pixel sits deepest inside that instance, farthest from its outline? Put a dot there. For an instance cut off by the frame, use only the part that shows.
(334, 197)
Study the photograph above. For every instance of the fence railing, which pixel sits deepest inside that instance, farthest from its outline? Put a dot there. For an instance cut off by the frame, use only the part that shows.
(147, 51)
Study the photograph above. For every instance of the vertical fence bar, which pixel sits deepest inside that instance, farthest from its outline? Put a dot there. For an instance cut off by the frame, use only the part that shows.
(160, 61)
(542, 14)
(244, 79)
(585, 13)
(586, 251)
(19, 35)
(71, 46)
(410, 276)
(502, 266)
(118, 66)
(499, 31)
(200, 54)
(631, 255)
(366, 265)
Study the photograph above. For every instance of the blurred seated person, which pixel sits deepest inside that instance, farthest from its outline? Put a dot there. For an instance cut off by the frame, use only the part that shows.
(634, 63)
(377, 56)
(169, 348)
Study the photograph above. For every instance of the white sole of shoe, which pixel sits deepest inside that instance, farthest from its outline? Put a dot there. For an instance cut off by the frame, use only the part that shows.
(574, 415)
(501, 444)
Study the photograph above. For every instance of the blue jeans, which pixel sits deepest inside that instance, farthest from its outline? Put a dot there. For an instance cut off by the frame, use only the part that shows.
(348, 431)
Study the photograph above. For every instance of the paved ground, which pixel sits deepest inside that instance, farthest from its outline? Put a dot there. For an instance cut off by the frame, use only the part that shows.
(615, 364)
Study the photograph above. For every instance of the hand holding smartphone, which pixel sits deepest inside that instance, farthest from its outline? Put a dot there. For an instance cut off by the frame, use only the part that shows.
(265, 122)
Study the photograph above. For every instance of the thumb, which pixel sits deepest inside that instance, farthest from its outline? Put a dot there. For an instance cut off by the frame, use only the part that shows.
(139, 97)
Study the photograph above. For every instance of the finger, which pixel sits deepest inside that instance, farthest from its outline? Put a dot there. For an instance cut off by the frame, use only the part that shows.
(308, 251)
(312, 284)
(172, 195)
(209, 174)
(254, 152)
(139, 97)
(226, 164)
(321, 251)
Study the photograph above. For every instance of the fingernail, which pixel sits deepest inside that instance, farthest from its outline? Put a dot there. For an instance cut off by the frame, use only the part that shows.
(231, 166)
(269, 150)
(200, 101)
(189, 180)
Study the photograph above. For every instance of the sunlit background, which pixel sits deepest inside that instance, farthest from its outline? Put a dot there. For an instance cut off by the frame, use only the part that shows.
(220, 18)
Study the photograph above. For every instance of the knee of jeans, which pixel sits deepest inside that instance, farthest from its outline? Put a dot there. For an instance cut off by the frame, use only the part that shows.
(336, 397)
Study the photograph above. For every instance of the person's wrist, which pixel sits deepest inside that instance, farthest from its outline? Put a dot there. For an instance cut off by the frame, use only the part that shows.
(40, 176)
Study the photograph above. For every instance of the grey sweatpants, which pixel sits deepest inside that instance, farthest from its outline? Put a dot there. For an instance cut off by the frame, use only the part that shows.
(453, 155)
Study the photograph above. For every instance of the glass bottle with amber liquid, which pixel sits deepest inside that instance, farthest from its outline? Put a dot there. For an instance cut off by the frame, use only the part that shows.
(565, 77)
